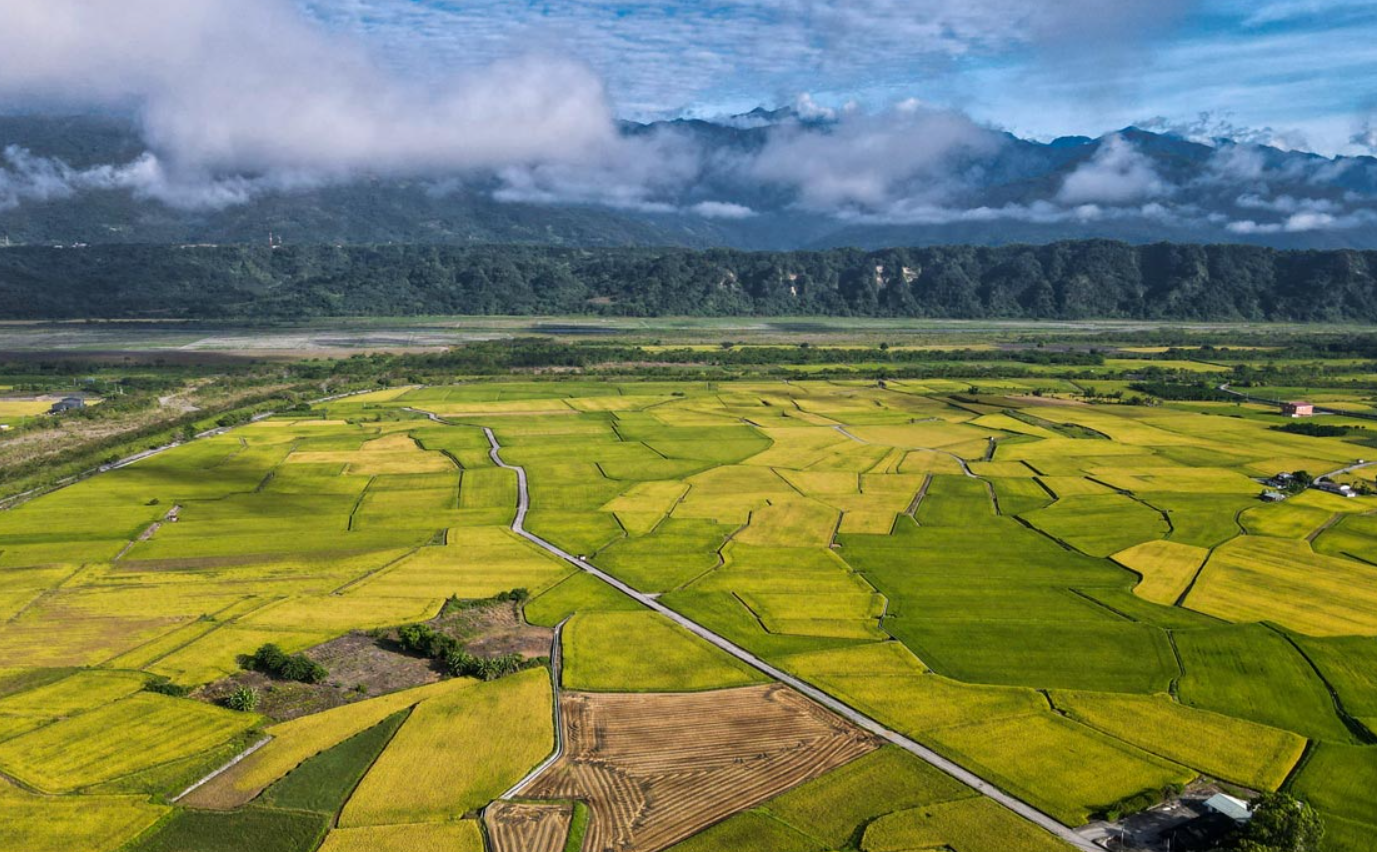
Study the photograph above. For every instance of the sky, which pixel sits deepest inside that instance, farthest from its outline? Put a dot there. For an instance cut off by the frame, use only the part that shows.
(1298, 73)
(239, 98)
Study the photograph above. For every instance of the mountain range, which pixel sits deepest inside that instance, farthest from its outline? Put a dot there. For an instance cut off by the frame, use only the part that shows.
(766, 180)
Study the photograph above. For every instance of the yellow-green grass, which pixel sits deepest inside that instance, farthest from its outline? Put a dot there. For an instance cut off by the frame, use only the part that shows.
(79, 692)
(1353, 535)
(299, 739)
(846, 615)
(1256, 756)
(1339, 780)
(676, 552)
(14, 409)
(833, 807)
(1192, 480)
(1284, 520)
(1349, 664)
(1285, 582)
(1254, 673)
(1167, 568)
(1062, 767)
(644, 652)
(954, 501)
(1114, 656)
(468, 746)
(750, 831)
(34, 823)
(915, 704)
(216, 654)
(657, 497)
(118, 739)
(975, 824)
(917, 462)
(1018, 495)
(1073, 486)
(50, 633)
(1005, 423)
(579, 592)
(875, 659)
(478, 562)
(1203, 520)
(1099, 524)
(575, 532)
(462, 836)
(335, 613)
(796, 522)
(918, 436)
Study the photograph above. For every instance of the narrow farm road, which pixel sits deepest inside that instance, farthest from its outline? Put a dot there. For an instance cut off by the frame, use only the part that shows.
(956, 771)
(556, 666)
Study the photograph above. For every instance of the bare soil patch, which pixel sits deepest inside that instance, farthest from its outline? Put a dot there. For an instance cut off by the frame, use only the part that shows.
(518, 827)
(367, 664)
(657, 768)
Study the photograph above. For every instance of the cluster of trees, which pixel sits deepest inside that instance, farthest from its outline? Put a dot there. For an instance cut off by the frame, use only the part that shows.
(1315, 430)
(426, 641)
(1066, 280)
(274, 662)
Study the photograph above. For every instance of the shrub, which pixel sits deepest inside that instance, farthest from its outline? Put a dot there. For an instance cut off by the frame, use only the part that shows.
(271, 660)
(167, 687)
(243, 699)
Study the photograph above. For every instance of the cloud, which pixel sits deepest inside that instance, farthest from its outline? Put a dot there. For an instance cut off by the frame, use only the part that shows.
(252, 87)
(867, 162)
(25, 177)
(1117, 174)
(1208, 128)
(722, 210)
(1305, 222)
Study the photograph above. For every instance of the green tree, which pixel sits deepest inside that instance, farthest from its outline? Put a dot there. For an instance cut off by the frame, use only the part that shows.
(1282, 823)
(243, 699)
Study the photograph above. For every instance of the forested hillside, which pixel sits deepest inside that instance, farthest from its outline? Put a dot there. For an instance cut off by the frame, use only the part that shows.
(1068, 280)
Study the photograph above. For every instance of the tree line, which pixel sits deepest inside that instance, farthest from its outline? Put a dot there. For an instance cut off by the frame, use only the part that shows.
(1088, 279)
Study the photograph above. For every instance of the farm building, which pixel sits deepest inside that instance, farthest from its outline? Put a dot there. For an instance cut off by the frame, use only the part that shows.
(1335, 488)
(1298, 409)
(1234, 808)
(70, 403)
(1273, 496)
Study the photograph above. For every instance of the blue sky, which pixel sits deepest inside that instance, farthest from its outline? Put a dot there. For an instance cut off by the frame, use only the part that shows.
(1297, 72)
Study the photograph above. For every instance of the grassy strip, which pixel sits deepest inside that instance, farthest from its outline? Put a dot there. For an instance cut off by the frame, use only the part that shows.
(258, 829)
(578, 827)
(323, 783)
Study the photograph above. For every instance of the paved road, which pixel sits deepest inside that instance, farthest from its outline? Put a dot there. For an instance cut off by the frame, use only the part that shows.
(556, 664)
(954, 770)
(965, 468)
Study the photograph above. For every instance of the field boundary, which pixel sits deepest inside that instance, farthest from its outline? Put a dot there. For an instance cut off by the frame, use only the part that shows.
(946, 765)
(556, 666)
(234, 761)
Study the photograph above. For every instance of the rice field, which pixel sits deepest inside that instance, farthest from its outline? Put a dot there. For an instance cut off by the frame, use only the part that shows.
(872, 540)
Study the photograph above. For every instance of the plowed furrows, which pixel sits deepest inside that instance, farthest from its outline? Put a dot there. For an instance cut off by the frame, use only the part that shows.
(528, 828)
(682, 805)
(657, 768)
(615, 799)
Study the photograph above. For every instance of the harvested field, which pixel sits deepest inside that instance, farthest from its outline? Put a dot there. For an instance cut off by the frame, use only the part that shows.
(518, 827)
(656, 768)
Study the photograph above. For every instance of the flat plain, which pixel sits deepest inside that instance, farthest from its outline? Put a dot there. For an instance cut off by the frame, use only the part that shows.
(1079, 600)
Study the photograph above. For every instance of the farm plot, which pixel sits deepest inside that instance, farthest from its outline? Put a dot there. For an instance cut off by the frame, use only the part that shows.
(462, 836)
(73, 823)
(655, 769)
(1252, 672)
(1068, 770)
(522, 827)
(1339, 780)
(963, 824)
(1167, 568)
(1256, 756)
(470, 746)
(644, 651)
(1099, 525)
(1284, 581)
(118, 739)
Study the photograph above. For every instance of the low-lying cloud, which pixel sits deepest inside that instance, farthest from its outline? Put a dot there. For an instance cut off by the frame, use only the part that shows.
(253, 88)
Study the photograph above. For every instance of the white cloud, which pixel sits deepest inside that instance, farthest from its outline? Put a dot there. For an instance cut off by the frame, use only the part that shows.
(25, 177)
(234, 87)
(870, 161)
(722, 210)
(1117, 174)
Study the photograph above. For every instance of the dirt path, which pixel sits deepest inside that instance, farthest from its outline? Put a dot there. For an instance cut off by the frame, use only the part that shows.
(956, 771)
